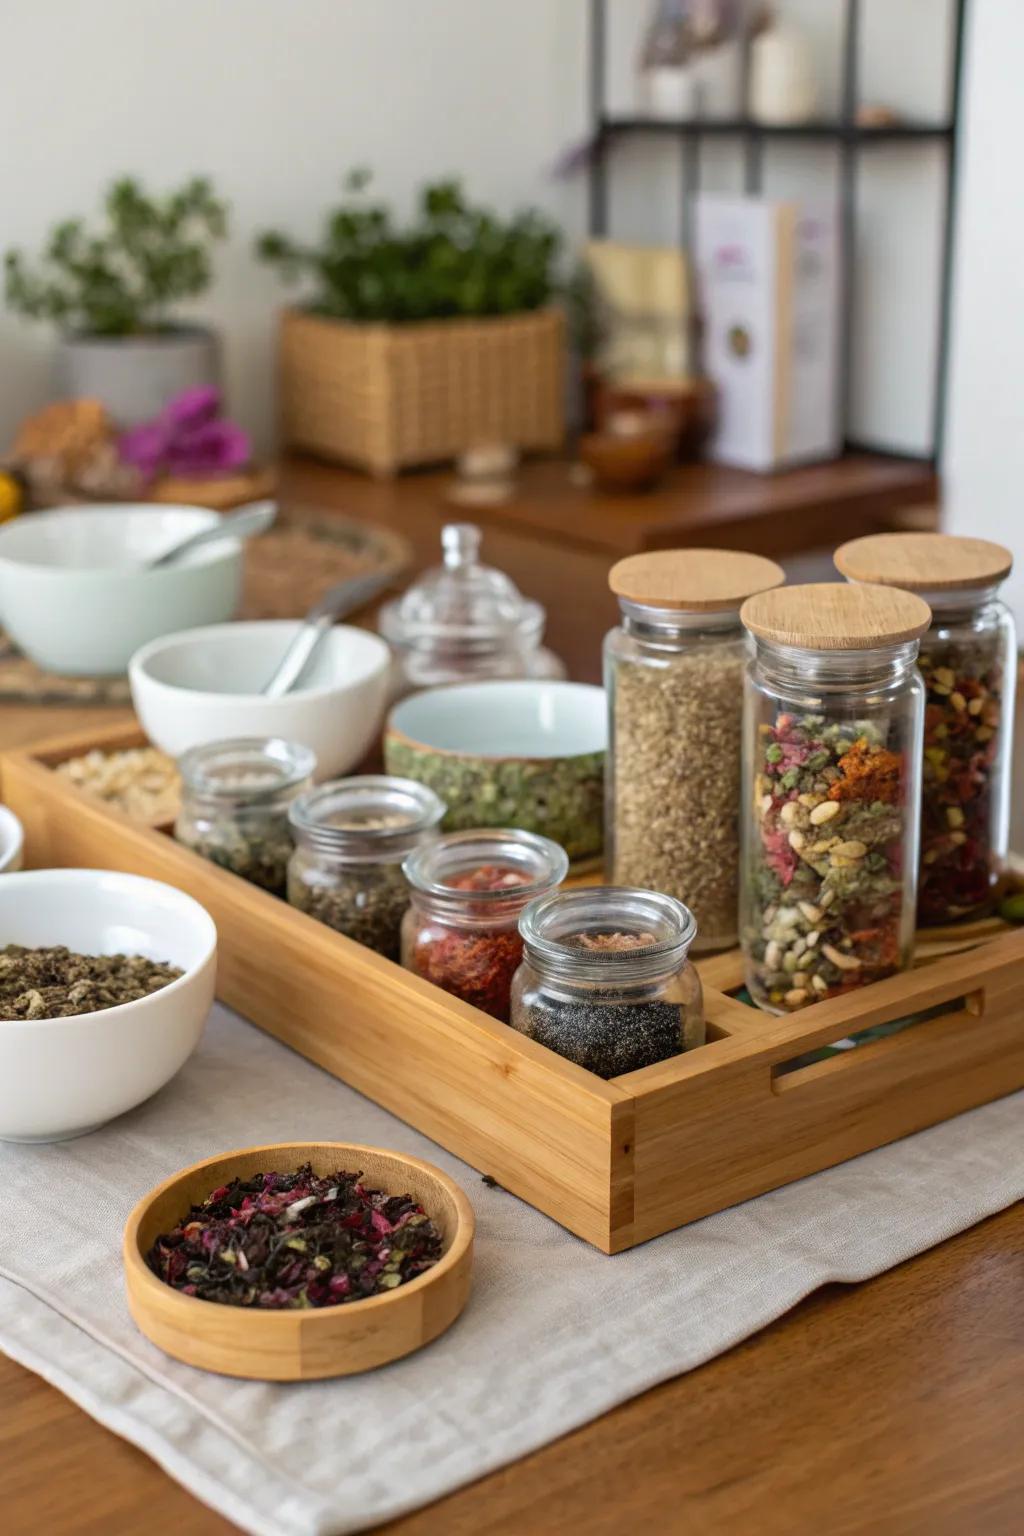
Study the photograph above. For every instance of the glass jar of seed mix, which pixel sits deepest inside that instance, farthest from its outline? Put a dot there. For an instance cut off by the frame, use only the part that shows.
(605, 980)
(967, 661)
(235, 797)
(468, 890)
(351, 836)
(674, 679)
(833, 720)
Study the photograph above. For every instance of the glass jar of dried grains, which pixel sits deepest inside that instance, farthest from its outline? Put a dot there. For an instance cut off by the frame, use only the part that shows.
(468, 889)
(235, 797)
(674, 677)
(967, 661)
(351, 836)
(832, 781)
(605, 980)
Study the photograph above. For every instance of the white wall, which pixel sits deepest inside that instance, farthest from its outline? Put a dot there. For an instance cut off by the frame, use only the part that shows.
(275, 98)
(984, 462)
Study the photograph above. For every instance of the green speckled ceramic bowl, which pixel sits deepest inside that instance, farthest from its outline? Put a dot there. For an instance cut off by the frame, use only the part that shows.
(516, 754)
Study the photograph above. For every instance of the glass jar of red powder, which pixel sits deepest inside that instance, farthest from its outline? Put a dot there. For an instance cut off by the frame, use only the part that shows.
(467, 891)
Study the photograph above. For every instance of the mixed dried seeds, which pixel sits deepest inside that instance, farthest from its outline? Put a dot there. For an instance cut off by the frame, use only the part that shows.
(141, 782)
(826, 885)
(57, 984)
(960, 776)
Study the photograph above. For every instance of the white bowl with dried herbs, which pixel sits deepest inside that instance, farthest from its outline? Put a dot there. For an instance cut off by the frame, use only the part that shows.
(106, 981)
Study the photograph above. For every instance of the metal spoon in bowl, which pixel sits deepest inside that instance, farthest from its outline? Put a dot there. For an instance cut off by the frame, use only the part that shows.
(342, 599)
(245, 523)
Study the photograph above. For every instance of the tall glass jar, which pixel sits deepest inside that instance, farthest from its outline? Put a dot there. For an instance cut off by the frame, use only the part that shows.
(674, 679)
(605, 980)
(968, 663)
(235, 798)
(351, 837)
(833, 720)
(468, 889)
(465, 622)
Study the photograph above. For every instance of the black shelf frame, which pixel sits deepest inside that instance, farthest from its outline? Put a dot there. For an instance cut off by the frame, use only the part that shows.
(851, 139)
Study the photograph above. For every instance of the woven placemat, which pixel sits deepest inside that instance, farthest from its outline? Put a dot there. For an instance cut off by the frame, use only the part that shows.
(286, 571)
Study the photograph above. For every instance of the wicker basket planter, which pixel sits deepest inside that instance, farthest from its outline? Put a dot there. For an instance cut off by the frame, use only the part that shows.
(385, 397)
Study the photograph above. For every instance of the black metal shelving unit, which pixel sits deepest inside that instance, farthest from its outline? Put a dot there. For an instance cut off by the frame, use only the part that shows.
(850, 137)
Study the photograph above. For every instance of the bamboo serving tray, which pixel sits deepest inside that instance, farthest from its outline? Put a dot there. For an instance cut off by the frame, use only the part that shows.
(615, 1162)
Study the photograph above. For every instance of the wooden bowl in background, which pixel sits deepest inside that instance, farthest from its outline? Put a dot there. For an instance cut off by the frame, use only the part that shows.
(310, 1344)
(633, 461)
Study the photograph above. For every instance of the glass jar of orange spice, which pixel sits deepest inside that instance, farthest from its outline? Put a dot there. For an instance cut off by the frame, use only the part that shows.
(967, 662)
(833, 720)
(467, 891)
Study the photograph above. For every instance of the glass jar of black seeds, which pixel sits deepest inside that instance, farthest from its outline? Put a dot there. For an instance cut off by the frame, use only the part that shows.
(351, 836)
(605, 979)
(235, 797)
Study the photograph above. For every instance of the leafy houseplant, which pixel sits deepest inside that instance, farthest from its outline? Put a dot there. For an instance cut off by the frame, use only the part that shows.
(112, 291)
(421, 339)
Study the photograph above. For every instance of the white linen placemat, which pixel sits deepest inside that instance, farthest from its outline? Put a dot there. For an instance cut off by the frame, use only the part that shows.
(554, 1333)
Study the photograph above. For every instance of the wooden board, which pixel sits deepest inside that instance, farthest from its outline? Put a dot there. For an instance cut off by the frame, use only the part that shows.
(615, 1162)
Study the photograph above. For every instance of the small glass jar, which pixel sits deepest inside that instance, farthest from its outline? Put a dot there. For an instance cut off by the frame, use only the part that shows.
(465, 622)
(834, 712)
(968, 663)
(235, 798)
(351, 837)
(674, 679)
(605, 980)
(468, 890)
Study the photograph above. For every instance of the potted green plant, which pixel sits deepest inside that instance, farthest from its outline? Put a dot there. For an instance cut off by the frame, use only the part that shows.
(112, 291)
(421, 340)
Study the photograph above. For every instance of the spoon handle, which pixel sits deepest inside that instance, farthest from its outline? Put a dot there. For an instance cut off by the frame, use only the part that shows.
(244, 523)
(342, 599)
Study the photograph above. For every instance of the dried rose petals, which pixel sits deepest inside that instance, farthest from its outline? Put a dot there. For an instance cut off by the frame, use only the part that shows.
(294, 1240)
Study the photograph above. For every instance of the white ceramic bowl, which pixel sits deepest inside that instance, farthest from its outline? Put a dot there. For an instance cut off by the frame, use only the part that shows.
(204, 686)
(62, 1077)
(12, 842)
(72, 595)
(509, 754)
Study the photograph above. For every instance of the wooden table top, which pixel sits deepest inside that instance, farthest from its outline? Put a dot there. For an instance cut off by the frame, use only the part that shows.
(884, 1409)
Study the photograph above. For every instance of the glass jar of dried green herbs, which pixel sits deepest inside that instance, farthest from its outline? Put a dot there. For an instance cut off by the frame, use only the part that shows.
(235, 797)
(605, 980)
(350, 839)
(674, 678)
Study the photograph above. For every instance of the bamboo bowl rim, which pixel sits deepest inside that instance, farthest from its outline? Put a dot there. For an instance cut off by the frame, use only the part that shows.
(191, 1318)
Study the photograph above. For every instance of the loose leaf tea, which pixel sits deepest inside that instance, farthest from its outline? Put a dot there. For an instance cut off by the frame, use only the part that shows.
(257, 850)
(296, 1240)
(599, 1028)
(57, 984)
(364, 901)
(676, 741)
(962, 731)
(472, 962)
(826, 876)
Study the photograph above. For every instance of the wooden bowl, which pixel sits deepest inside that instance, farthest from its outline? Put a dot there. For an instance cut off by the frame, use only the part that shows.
(301, 1345)
(627, 463)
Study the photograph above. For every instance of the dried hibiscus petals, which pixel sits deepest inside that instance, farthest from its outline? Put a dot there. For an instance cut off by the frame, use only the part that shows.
(295, 1240)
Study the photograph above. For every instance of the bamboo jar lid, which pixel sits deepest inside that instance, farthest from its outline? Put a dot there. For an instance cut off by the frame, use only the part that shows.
(836, 616)
(924, 562)
(693, 580)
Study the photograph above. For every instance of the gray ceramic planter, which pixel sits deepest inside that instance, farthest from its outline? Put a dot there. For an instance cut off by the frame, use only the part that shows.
(135, 376)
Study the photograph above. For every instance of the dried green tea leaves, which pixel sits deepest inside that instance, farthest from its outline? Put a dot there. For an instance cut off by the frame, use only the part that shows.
(57, 984)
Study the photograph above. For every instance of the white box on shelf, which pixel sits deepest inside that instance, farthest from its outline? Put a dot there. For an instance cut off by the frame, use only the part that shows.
(769, 291)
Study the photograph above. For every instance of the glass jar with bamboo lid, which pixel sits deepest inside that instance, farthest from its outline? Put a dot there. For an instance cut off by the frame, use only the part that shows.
(674, 678)
(967, 663)
(833, 724)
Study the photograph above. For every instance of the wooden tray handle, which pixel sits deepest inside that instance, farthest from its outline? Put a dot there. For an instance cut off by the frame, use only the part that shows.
(957, 1007)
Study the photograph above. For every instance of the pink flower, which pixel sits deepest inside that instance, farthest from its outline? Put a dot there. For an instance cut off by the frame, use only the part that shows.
(189, 437)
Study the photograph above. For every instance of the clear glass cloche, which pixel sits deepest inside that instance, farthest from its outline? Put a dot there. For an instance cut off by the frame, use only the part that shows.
(464, 622)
